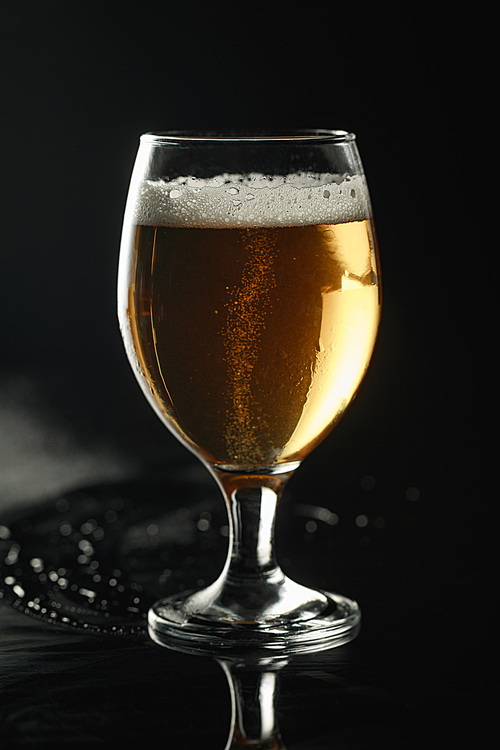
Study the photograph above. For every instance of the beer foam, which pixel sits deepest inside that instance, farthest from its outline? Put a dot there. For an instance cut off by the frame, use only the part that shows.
(253, 200)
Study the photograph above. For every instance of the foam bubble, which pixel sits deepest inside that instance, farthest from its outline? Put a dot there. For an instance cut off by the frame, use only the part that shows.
(253, 200)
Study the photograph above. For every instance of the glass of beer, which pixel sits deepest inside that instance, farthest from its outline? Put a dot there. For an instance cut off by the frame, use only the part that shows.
(249, 302)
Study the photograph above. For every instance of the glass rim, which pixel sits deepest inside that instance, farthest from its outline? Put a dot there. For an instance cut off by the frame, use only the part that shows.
(295, 136)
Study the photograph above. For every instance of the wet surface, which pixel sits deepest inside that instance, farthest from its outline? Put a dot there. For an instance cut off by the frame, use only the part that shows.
(97, 558)
(69, 689)
(77, 666)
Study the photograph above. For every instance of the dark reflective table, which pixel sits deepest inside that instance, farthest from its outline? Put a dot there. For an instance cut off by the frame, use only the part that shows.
(77, 666)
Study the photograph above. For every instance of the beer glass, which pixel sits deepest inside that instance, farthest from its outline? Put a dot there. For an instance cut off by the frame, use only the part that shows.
(249, 302)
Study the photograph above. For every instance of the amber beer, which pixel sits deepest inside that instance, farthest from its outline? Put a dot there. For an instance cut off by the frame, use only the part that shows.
(252, 338)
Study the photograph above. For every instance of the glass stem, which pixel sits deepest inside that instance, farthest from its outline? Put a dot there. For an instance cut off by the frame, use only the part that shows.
(252, 502)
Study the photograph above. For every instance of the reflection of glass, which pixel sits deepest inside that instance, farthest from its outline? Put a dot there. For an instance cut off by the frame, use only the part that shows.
(254, 691)
(253, 680)
(249, 304)
(259, 696)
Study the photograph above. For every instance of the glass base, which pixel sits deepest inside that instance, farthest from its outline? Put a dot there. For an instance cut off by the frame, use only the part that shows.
(298, 620)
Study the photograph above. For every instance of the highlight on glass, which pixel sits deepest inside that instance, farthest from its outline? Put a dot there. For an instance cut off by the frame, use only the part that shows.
(249, 303)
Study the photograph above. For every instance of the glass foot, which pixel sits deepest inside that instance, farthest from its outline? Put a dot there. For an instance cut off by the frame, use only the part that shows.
(296, 619)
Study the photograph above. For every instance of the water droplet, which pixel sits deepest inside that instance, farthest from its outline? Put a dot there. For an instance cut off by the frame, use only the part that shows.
(412, 494)
(86, 547)
(62, 505)
(89, 526)
(368, 482)
(328, 516)
(88, 593)
(12, 555)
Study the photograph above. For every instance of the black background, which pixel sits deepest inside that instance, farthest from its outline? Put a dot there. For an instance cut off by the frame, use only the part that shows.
(80, 83)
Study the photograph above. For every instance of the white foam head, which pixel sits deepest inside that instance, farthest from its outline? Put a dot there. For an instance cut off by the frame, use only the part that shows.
(254, 200)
